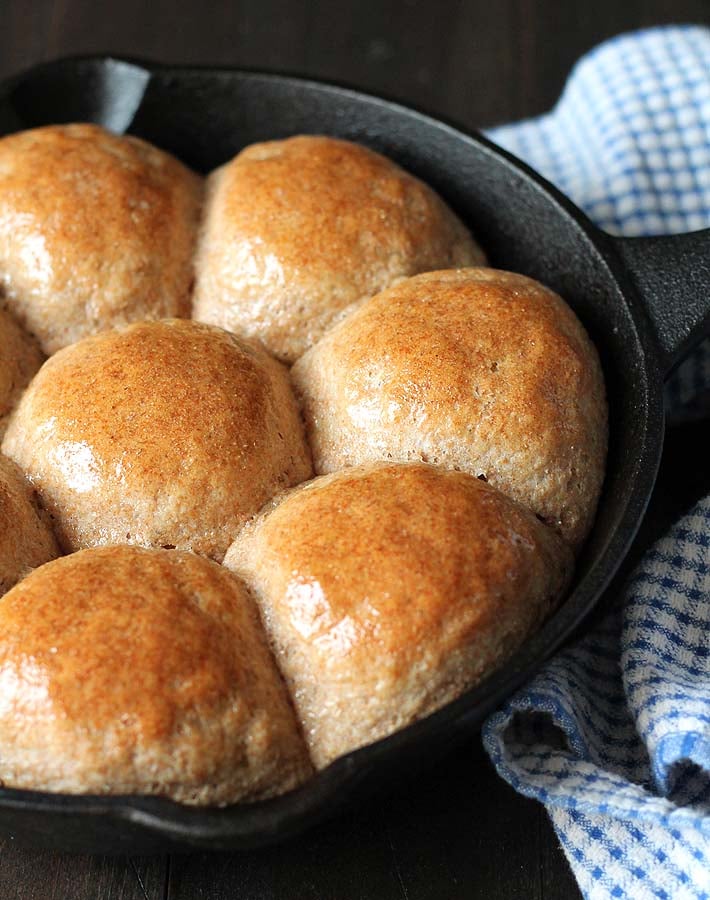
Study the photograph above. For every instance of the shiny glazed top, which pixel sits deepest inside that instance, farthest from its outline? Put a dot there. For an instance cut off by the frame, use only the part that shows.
(96, 230)
(166, 433)
(481, 370)
(297, 230)
(142, 671)
(389, 589)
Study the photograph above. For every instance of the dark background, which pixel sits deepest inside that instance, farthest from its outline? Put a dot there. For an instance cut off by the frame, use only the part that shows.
(458, 831)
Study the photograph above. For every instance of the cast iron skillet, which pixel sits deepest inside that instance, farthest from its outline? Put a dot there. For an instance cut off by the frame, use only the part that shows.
(644, 301)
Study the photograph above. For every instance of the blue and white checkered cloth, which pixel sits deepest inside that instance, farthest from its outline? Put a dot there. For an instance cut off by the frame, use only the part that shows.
(613, 736)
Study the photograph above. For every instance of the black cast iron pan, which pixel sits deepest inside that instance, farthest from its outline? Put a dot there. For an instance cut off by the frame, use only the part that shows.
(644, 301)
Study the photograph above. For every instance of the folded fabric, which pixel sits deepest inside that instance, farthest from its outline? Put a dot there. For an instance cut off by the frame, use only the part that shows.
(613, 736)
(629, 142)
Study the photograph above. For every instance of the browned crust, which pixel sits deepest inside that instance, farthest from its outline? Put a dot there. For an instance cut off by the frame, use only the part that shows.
(389, 589)
(477, 369)
(96, 230)
(125, 670)
(166, 433)
(298, 230)
(20, 358)
(26, 536)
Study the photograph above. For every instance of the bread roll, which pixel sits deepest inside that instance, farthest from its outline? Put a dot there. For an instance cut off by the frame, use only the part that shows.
(136, 671)
(476, 369)
(96, 230)
(390, 589)
(26, 536)
(297, 230)
(20, 358)
(161, 434)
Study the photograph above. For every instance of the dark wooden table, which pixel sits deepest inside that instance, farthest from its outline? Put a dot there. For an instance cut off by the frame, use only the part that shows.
(458, 831)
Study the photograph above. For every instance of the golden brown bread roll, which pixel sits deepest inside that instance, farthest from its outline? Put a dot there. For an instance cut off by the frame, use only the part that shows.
(162, 434)
(20, 358)
(297, 230)
(96, 230)
(389, 589)
(476, 369)
(26, 536)
(125, 670)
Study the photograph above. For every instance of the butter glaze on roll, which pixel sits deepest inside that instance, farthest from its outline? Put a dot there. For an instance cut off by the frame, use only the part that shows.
(161, 434)
(475, 369)
(388, 590)
(26, 536)
(297, 230)
(127, 671)
(96, 230)
(20, 358)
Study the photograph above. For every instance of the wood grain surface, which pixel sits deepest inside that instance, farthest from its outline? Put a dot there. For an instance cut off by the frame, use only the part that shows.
(458, 831)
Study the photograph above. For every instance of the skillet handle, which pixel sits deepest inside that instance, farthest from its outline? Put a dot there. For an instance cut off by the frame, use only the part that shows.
(672, 277)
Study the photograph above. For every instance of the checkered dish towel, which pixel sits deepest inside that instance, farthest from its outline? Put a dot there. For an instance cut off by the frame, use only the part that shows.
(613, 735)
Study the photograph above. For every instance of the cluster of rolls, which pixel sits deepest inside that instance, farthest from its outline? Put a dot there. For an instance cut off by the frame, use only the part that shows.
(285, 466)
